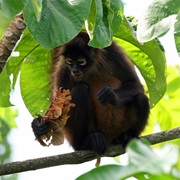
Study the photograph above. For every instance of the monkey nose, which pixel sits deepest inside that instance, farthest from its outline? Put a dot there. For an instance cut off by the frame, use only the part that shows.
(77, 73)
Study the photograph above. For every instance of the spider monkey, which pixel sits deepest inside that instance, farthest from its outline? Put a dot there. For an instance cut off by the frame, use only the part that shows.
(111, 106)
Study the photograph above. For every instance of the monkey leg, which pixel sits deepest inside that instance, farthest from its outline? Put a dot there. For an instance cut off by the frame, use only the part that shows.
(141, 105)
(80, 130)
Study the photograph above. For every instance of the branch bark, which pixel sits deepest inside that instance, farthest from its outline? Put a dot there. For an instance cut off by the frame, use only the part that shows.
(79, 157)
(10, 38)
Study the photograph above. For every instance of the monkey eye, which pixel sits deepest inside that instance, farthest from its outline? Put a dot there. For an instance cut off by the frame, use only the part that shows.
(69, 61)
(82, 62)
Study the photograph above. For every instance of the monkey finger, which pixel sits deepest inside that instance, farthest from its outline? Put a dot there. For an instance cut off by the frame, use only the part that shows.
(102, 94)
(108, 97)
(99, 143)
(102, 146)
(105, 100)
(44, 125)
(40, 128)
(103, 91)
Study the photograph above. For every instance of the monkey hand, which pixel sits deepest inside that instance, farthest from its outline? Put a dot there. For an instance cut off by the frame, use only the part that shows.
(107, 95)
(40, 128)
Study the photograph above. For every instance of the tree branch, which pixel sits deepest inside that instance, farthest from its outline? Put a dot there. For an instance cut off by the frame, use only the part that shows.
(10, 38)
(79, 157)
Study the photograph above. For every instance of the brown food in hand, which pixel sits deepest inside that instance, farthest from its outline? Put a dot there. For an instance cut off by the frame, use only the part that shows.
(57, 116)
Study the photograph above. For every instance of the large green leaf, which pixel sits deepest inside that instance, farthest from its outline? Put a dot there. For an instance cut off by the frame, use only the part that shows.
(34, 64)
(10, 8)
(142, 160)
(159, 17)
(34, 81)
(149, 58)
(60, 21)
(25, 47)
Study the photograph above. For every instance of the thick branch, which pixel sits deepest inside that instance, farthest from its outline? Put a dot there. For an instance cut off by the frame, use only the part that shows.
(80, 156)
(10, 38)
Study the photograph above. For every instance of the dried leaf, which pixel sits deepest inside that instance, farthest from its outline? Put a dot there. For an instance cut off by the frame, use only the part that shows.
(57, 137)
(57, 116)
(53, 112)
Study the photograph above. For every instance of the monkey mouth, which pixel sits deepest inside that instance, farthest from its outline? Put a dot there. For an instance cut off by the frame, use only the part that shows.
(77, 75)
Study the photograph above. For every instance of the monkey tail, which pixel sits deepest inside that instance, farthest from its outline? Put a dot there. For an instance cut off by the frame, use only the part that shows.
(98, 162)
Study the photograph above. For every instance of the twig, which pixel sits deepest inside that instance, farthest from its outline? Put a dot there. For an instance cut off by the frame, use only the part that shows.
(10, 38)
(79, 157)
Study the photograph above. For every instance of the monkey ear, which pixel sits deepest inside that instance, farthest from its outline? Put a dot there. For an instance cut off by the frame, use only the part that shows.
(57, 52)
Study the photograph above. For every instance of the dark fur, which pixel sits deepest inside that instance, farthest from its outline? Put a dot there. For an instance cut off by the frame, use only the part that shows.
(110, 103)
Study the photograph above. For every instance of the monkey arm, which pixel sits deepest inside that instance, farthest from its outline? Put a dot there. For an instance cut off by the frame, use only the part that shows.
(119, 97)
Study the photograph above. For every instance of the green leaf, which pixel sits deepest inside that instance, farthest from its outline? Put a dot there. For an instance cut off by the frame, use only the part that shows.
(10, 8)
(60, 21)
(103, 172)
(177, 33)
(141, 153)
(91, 19)
(37, 4)
(149, 59)
(177, 24)
(166, 112)
(118, 8)
(25, 47)
(5, 89)
(103, 21)
(177, 41)
(8, 115)
(7, 122)
(159, 17)
(142, 161)
(34, 81)
(104, 15)
(4, 24)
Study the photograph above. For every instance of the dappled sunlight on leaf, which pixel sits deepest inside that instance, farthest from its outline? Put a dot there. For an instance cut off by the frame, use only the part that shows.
(158, 18)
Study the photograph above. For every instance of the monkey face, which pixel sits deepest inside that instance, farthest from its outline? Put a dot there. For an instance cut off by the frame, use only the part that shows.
(77, 67)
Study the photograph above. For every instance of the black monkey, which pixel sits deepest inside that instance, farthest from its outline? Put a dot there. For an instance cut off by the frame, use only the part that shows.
(111, 106)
